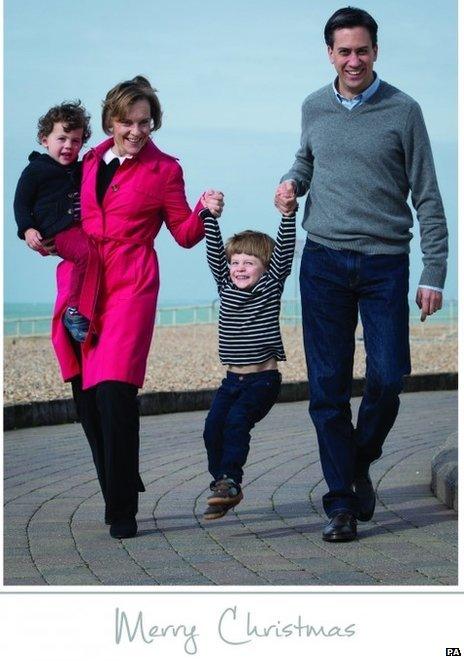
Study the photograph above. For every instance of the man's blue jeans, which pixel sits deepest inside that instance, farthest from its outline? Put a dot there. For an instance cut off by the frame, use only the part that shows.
(240, 402)
(335, 284)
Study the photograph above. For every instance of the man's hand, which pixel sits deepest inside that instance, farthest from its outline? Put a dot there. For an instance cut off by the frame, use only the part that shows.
(428, 301)
(285, 197)
(33, 238)
(214, 201)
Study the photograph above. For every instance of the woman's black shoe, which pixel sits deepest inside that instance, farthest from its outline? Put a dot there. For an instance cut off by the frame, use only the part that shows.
(342, 528)
(124, 528)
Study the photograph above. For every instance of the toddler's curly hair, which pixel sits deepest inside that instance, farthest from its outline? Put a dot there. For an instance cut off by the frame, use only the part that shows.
(71, 114)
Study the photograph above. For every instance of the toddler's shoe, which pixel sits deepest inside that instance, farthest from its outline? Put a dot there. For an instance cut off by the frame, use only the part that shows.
(76, 324)
(215, 512)
(225, 492)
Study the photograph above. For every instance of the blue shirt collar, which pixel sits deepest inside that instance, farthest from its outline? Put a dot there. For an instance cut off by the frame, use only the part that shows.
(359, 98)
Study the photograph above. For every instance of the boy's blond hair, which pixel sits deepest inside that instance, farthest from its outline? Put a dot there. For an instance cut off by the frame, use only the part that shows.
(250, 242)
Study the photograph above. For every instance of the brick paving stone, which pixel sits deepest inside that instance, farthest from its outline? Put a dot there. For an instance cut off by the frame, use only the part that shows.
(23, 580)
(21, 566)
(346, 577)
(55, 535)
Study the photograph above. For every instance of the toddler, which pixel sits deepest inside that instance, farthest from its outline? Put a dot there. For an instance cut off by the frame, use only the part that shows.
(250, 273)
(47, 205)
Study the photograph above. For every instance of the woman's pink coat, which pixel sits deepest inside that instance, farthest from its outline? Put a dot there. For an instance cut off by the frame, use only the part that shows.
(121, 288)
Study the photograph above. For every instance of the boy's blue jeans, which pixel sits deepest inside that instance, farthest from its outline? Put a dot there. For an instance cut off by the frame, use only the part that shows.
(335, 284)
(240, 402)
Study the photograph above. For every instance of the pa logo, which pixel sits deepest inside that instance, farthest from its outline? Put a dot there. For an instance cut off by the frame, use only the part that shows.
(453, 651)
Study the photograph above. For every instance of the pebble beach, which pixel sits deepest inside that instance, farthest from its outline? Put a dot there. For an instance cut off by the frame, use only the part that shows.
(185, 358)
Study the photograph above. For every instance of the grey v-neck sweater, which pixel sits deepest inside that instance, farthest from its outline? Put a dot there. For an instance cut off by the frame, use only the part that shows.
(359, 166)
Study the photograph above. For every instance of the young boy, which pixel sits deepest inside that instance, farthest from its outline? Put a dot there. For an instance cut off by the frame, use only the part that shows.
(46, 203)
(250, 274)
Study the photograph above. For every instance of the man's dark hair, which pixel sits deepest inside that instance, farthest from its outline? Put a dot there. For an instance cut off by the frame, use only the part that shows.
(71, 114)
(350, 17)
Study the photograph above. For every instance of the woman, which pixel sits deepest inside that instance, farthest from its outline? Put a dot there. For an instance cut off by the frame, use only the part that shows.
(129, 187)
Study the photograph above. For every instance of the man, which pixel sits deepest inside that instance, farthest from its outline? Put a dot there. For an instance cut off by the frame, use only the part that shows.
(364, 147)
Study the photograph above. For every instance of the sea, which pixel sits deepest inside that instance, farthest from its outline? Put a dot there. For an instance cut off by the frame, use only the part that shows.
(34, 318)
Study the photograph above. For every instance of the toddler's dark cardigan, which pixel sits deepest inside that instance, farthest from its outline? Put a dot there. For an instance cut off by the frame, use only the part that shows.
(46, 195)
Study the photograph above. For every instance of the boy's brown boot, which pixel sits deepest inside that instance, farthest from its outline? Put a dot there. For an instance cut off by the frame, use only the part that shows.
(225, 492)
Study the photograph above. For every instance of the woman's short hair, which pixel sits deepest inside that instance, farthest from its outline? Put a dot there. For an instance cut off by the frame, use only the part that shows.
(71, 114)
(250, 242)
(122, 96)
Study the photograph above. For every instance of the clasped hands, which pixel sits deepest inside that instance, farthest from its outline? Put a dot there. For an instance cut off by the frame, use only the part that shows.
(214, 201)
(285, 197)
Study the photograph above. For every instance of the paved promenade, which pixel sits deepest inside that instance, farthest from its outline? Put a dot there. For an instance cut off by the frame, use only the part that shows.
(55, 535)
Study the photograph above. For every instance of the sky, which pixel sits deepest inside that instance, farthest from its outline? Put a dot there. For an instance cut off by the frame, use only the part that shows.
(231, 78)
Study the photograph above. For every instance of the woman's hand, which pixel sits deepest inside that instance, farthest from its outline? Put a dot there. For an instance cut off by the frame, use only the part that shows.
(214, 201)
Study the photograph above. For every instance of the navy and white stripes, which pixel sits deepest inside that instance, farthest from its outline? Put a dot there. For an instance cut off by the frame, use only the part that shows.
(249, 329)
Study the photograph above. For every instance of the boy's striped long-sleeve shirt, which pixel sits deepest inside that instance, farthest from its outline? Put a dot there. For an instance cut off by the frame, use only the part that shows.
(249, 330)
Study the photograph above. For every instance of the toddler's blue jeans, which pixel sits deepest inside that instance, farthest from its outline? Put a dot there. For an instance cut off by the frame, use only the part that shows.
(240, 402)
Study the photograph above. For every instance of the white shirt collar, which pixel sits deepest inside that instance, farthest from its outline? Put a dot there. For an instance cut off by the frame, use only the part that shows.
(109, 155)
